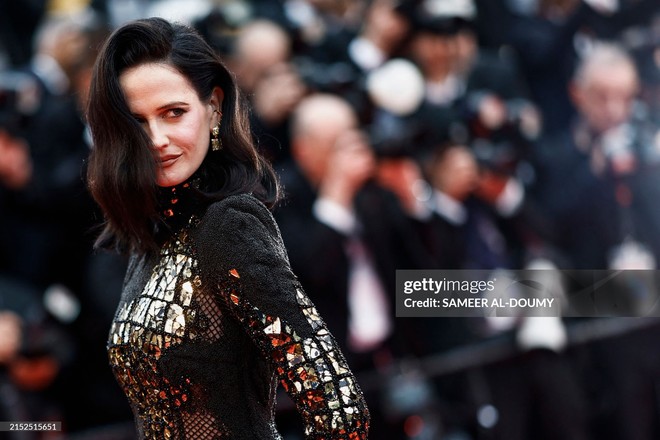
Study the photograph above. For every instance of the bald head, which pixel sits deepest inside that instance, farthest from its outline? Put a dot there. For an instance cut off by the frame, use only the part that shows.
(259, 46)
(322, 114)
(318, 122)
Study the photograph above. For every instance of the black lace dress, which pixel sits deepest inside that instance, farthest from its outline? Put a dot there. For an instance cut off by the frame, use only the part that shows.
(209, 326)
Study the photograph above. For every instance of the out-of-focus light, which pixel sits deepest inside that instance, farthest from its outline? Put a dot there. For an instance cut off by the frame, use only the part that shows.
(413, 426)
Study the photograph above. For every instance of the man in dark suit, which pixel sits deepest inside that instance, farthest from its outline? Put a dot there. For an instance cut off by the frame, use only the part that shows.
(346, 236)
(596, 179)
(319, 223)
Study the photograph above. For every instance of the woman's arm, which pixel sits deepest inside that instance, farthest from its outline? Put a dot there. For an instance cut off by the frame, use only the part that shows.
(241, 245)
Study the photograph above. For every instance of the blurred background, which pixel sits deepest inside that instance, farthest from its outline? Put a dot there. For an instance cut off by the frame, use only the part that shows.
(420, 134)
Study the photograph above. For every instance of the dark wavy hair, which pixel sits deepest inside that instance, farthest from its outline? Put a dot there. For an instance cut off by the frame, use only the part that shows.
(122, 167)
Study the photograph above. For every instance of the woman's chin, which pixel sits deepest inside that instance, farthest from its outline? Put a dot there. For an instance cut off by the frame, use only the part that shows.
(169, 181)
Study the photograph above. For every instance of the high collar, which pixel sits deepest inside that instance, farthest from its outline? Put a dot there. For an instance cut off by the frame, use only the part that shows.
(180, 203)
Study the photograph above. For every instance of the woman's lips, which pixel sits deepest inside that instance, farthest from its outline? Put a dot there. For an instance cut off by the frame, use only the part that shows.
(166, 161)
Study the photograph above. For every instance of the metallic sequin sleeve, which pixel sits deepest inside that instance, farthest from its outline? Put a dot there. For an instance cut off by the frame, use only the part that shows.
(256, 285)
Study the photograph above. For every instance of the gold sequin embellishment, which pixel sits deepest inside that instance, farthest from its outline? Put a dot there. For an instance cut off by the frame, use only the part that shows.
(157, 319)
(311, 370)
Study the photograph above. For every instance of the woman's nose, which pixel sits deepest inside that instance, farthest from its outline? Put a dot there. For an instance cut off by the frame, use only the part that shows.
(158, 136)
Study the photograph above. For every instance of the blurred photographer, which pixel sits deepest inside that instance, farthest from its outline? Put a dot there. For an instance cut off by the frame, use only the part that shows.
(266, 74)
(598, 181)
(45, 207)
(46, 214)
(346, 234)
(492, 156)
(331, 163)
(550, 36)
(473, 96)
(477, 213)
(341, 61)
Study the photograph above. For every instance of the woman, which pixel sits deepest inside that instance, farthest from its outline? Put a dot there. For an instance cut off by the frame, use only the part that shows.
(211, 316)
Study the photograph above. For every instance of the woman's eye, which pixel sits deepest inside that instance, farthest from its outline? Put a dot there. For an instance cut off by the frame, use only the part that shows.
(175, 112)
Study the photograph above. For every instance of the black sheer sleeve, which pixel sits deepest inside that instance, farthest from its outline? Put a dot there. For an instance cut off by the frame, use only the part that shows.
(241, 250)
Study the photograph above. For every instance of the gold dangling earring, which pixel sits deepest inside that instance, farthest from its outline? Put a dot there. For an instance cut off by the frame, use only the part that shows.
(216, 143)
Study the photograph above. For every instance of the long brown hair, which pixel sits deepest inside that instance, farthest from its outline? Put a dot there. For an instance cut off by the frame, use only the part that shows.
(122, 167)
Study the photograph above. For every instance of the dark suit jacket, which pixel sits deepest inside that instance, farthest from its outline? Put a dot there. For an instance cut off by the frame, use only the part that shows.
(317, 252)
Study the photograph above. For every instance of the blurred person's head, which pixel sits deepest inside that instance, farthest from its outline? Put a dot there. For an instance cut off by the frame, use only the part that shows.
(444, 34)
(604, 87)
(66, 40)
(276, 93)
(322, 124)
(81, 72)
(442, 37)
(434, 51)
(453, 170)
(259, 46)
(384, 26)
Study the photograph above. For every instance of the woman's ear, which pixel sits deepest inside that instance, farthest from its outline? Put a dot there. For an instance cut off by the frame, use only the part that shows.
(217, 96)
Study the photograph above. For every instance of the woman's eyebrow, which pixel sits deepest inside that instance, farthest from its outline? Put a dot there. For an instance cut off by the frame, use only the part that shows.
(172, 104)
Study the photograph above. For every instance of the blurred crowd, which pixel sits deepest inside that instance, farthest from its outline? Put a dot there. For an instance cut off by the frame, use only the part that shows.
(408, 134)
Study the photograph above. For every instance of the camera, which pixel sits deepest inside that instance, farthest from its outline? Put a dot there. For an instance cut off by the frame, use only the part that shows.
(334, 77)
(500, 131)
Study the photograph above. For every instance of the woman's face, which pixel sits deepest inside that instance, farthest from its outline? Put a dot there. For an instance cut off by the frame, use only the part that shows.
(170, 111)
